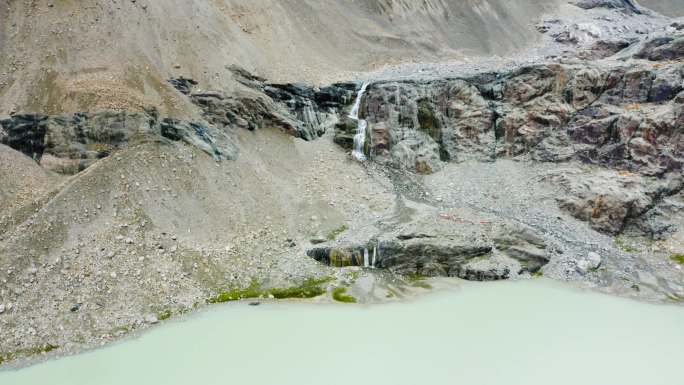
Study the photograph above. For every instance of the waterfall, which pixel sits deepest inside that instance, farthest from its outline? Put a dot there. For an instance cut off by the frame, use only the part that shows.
(366, 262)
(375, 253)
(361, 125)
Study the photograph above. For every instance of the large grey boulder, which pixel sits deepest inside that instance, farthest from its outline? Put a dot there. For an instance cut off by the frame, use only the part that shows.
(590, 263)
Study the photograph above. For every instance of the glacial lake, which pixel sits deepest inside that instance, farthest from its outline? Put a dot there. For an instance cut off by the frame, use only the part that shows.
(529, 332)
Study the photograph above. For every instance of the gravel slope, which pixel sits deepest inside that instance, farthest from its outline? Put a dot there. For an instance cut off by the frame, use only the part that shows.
(71, 56)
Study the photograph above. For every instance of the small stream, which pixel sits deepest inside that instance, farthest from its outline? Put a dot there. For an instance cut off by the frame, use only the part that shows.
(530, 332)
(361, 125)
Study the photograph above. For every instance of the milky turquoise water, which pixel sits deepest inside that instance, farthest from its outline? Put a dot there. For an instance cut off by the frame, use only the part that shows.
(517, 333)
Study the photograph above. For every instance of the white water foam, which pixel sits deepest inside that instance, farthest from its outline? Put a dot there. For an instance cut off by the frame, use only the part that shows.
(361, 126)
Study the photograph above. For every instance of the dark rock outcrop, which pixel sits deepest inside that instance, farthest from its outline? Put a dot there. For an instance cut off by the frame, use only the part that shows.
(610, 200)
(75, 141)
(508, 252)
(345, 130)
(205, 137)
(436, 257)
(421, 124)
(628, 6)
(662, 220)
(297, 109)
(78, 140)
(183, 85)
(25, 133)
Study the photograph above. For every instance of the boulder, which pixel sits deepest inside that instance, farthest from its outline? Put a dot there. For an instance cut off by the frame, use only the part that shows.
(523, 245)
(591, 262)
(487, 269)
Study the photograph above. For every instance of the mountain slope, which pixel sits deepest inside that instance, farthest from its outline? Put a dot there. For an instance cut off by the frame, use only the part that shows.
(73, 56)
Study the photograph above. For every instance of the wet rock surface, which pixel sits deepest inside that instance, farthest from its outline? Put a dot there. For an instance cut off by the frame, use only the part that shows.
(297, 109)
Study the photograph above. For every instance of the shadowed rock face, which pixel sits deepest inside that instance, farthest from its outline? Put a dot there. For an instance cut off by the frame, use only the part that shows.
(25, 133)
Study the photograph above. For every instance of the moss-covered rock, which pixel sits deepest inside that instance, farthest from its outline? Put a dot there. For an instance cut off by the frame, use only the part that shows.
(164, 314)
(678, 258)
(309, 288)
(10, 356)
(340, 258)
(339, 295)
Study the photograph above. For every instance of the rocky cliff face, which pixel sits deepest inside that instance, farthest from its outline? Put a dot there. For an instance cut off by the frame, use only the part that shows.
(627, 117)
(622, 116)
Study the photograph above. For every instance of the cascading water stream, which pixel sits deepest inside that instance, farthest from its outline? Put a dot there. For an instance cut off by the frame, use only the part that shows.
(361, 125)
(359, 153)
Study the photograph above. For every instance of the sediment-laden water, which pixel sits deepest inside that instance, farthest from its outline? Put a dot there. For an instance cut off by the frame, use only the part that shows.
(530, 332)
